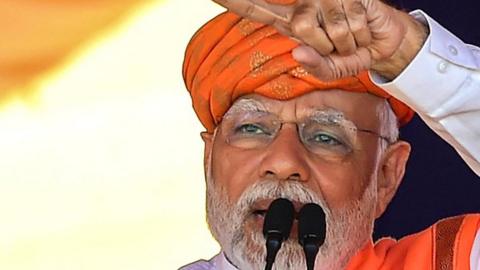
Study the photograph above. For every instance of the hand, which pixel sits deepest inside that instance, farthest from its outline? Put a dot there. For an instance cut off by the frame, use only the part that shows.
(340, 37)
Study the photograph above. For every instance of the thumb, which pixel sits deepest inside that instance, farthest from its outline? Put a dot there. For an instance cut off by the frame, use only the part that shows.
(332, 66)
(314, 63)
(307, 56)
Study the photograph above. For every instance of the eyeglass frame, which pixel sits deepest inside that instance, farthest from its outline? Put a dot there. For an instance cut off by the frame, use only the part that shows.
(299, 124)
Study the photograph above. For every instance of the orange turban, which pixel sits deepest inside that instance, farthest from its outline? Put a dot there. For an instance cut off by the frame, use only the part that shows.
(231, 56)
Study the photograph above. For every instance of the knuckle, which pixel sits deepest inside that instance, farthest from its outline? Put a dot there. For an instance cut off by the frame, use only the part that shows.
(356, 8)
(357, 27)
(335, 16)
(339, 33)
(347, 51)
(324, 49)
(302, 27)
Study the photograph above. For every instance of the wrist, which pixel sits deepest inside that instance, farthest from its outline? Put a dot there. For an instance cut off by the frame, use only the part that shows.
(415, 36)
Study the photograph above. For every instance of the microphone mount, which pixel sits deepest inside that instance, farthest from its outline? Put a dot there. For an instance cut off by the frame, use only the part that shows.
(276, 227)
(311, 231)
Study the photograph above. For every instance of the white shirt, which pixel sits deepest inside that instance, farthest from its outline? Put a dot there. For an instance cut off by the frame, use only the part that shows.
(219, 262)
(442, 84)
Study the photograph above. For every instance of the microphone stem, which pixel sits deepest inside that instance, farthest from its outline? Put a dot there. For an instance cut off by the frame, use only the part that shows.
(311, 249)
(274, 242)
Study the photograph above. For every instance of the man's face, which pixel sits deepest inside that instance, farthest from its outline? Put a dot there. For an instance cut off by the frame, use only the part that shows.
(313, 148)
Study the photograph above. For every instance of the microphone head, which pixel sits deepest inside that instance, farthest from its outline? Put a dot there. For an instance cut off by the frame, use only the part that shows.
(311, 223)
(279, 218)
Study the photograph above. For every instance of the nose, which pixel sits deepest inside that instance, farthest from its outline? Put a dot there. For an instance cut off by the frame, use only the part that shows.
(285, 157)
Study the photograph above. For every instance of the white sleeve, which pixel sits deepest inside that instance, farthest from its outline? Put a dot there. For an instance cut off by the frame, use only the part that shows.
(442, 84)
(475, 253)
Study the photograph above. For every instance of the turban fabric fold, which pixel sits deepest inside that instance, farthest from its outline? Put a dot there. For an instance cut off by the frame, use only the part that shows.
(231, 56)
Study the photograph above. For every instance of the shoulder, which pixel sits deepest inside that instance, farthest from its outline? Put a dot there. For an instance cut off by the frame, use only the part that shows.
(457, 241)
(454, 241)
(458, 231)
(211, 264)
(450, 242)
(199, 265)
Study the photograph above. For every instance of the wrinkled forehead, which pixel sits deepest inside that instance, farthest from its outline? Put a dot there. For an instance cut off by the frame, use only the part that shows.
(361, 109)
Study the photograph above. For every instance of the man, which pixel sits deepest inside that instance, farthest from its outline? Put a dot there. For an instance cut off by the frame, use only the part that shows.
(275, 130)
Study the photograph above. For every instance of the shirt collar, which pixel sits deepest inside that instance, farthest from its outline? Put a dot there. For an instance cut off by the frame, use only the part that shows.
(223, 263)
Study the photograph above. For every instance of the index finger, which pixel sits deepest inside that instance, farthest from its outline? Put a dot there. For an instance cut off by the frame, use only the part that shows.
(259, 11)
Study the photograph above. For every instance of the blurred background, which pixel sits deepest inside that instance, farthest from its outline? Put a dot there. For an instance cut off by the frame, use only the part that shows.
(100, 153)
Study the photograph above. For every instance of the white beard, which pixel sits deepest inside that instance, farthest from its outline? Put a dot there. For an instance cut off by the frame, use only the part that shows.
(348, 228)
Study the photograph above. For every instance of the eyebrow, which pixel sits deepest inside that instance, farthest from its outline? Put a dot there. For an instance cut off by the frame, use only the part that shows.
(322, 115)
(331, 116)
(246, 105)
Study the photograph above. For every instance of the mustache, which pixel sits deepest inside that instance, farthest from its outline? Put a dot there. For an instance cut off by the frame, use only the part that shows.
(273, 189)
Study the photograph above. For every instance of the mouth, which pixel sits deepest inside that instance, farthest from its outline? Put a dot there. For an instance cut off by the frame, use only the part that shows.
(259, 213)
(260, 207)
(259, 210)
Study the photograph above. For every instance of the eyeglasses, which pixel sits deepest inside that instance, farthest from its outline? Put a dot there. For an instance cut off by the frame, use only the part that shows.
(322, 132)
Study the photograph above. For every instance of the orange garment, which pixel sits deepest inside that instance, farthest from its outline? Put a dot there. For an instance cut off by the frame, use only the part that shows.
(37, 35)
(230, 57)
(444, 246)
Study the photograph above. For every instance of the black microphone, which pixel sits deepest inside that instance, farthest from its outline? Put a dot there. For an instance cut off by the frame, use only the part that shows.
(276, 227)
(311, 231)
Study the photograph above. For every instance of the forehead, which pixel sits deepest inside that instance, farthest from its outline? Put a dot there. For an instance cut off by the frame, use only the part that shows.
(361, 108)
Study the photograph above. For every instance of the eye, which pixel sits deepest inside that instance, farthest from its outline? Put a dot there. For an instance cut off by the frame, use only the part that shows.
(251, 129)
(323, 138)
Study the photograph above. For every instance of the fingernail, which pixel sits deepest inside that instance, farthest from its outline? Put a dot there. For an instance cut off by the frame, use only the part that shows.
(299, 54)
(305, 55)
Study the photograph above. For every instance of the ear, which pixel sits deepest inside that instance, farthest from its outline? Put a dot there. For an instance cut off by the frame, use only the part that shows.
(208, 141)
(390, 174)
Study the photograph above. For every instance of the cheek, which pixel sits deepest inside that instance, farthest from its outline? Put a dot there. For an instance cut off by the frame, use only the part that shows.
(342, 182)
(234, 169)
